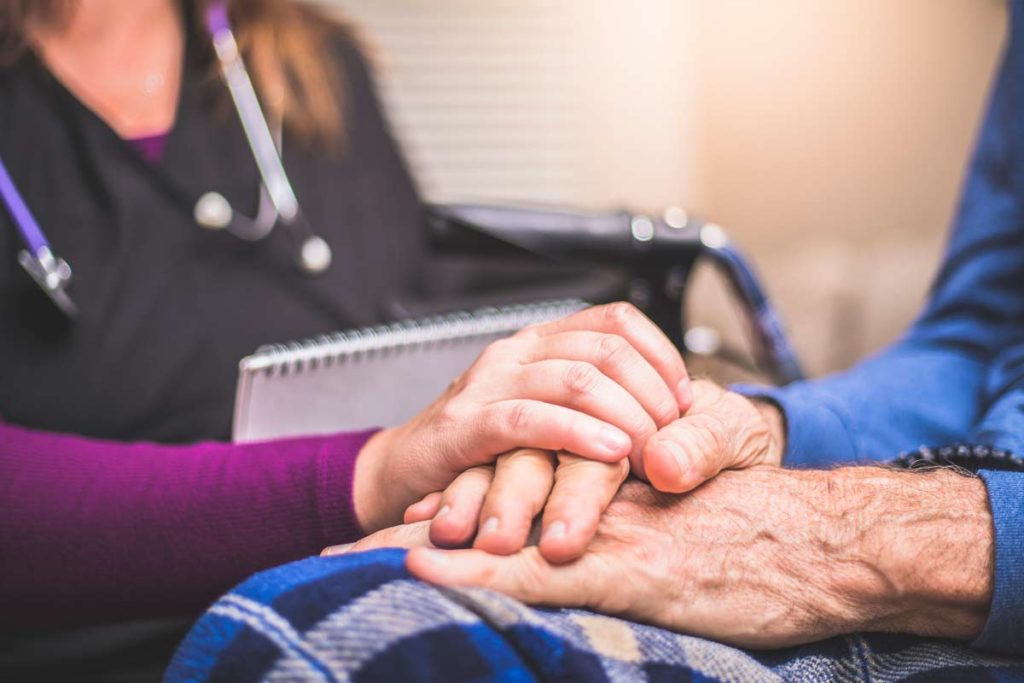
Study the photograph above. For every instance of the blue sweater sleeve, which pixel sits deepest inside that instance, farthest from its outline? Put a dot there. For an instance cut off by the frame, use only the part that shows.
(1003, 426)
(1004, 630)
(958, 373)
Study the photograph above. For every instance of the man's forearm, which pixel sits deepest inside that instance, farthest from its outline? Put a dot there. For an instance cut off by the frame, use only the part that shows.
(912, 551)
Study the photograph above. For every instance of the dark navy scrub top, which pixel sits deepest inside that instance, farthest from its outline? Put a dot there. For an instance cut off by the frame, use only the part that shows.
(168, 308)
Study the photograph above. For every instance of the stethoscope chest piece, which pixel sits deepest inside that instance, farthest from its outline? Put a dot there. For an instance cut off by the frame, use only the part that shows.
(52, 274)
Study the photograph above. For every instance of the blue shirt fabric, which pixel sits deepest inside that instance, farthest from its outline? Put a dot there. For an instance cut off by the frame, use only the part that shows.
(958, 374)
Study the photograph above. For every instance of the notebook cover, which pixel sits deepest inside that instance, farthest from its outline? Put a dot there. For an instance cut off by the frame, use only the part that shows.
(373, 377)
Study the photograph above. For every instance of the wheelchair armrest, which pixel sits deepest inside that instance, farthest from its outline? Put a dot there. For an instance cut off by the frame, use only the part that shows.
(656, 256)
(617, 238)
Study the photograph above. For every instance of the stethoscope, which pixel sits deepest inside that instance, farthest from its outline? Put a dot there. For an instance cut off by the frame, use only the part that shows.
(277, 204)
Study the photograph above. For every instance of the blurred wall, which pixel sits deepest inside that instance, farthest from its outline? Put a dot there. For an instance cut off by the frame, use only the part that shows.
(833, 136)
(828, 138)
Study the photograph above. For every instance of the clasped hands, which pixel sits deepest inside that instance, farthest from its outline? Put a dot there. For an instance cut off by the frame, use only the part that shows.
(604, 389)
(549, 424)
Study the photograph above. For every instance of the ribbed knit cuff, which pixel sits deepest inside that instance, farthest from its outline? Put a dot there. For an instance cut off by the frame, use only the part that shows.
(336, 466)
(1004, 630)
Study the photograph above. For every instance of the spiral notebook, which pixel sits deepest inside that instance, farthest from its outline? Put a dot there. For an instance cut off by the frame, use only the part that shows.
(370, 377)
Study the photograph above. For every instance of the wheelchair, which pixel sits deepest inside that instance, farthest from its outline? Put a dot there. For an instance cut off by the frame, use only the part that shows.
(500, 254)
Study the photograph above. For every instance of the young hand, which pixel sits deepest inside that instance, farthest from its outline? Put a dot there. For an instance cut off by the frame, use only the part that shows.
(598, 384)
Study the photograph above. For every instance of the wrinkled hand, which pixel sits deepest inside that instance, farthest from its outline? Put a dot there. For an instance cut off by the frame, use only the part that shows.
(721, 430)
(598, 383)
(761, 558)
(729, 561)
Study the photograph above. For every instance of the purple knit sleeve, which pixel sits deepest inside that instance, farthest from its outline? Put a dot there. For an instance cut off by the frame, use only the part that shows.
(95, 530)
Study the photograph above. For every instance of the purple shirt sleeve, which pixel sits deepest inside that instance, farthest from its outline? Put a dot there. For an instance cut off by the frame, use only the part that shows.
(95, 530)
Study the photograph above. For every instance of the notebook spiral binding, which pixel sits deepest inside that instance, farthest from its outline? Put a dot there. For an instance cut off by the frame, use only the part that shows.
(404, 336)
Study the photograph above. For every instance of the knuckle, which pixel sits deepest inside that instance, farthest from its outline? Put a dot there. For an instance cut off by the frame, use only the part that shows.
(666, 410)
(622, 314)
(533, 575)
(500, 352)
(471, 377)
(580, 378)
(487, 357)
(706, 464)
(457, 384)
(451, 413)
(529, 332)
(527, 464)
(479, 478)
(713, 449)
(516, 418)
(642, 427)
(612, 349)
(502, 347)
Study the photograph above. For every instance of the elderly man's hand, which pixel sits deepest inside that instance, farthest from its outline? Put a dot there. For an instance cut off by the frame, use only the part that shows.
(721, 430)
(762, 558)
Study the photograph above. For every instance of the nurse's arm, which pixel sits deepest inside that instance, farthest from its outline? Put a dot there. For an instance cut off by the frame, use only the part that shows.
(97, 530)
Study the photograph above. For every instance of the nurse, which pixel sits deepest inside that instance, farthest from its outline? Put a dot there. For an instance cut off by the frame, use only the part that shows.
(151, 235)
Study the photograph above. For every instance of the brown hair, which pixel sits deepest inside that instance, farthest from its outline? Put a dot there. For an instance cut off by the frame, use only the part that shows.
(284, 43)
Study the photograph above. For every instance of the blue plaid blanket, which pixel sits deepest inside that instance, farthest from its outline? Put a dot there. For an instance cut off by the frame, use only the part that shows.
(364, 618)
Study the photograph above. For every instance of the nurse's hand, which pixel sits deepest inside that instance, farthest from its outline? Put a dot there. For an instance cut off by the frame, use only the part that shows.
(598, 383)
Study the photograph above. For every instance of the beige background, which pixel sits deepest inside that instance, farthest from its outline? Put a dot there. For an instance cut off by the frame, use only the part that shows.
(833, 139)
(828, 138)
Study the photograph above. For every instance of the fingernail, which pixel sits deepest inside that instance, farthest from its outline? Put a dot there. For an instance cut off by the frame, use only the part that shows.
(684, 393)
(614, 440)
(678, 456)
(555, 531)
(443, 511)
(490, 525)
(337, 549)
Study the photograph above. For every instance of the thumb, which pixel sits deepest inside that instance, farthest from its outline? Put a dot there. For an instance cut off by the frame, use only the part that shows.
(684, 455)
(722, 431)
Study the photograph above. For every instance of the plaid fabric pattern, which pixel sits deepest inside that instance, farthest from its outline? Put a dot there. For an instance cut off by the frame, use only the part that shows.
(364, 618)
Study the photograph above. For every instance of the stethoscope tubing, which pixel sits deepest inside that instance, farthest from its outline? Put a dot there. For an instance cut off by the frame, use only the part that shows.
(26, 223)
(278, 202)
(254, 122)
